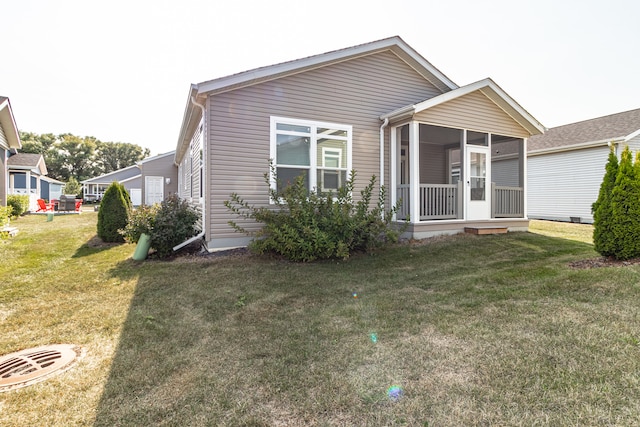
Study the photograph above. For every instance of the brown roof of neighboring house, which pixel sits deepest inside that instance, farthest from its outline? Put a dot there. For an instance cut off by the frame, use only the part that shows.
(607, 128)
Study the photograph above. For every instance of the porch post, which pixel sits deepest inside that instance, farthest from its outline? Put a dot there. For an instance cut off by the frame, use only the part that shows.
(414, 170)
(522, 155)
(393, 179)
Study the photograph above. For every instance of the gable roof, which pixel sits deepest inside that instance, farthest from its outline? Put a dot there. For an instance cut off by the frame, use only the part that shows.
(27, 161)
(119, 175)
(8, 124)
(598, 131)
(487, 87)
(394, 44)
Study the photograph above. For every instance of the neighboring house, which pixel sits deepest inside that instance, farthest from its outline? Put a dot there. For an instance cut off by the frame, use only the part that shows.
(148, 181)
(26, 171)
(454, 155)
(566, 164)
(9, 143)
(51, 189)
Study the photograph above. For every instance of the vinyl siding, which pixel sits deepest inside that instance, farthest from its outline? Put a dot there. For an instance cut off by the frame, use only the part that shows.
(163, 167)
(354, 92)
(473, 112)
(506, 172)
(564, 185)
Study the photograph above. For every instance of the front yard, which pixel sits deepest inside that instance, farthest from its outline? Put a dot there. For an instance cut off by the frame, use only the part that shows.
(470, 330)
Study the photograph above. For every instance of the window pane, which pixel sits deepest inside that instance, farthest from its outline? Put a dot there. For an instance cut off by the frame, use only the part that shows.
(286, 177)
(332, 132)
(332, 153)
(331, 179)
(293, 128)
(292, 150)
(477, 175)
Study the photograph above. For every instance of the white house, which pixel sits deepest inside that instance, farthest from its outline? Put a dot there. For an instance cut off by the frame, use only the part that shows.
(566, 164)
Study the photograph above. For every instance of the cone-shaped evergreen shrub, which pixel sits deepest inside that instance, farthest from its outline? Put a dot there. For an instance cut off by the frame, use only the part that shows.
(625, 208)
(603, 239)
(113, 213)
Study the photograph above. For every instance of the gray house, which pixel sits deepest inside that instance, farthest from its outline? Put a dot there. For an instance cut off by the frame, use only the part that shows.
(148, 181)
(454, 155)
(566, 164)
(26, 171)
(9, 143)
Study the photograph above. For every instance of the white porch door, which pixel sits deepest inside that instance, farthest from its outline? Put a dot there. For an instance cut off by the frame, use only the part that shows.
(154, 190)
(477, 172)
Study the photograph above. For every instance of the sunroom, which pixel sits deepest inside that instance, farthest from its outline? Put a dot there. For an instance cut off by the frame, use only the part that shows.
(459, 159)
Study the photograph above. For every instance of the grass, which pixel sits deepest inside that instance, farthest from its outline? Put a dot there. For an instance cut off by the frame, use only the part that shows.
(475, 330)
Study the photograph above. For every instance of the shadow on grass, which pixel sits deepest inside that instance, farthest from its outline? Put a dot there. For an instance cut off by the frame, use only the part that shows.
(93, 246)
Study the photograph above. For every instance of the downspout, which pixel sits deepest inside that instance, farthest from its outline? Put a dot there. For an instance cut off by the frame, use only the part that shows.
(386, 122)
(202, 232)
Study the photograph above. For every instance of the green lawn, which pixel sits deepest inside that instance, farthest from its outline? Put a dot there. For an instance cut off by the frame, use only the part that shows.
(474, 330)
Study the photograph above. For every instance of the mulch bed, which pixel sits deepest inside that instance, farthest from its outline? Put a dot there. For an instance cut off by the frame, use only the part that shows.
(584, 264)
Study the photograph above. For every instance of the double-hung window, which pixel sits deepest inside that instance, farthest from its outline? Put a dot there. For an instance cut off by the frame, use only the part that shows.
(321, 151)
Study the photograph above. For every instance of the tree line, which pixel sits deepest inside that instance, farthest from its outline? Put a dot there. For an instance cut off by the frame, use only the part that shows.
(70, 157)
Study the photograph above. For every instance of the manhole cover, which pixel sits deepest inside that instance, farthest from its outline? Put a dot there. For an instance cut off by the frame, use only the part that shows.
(33, 365)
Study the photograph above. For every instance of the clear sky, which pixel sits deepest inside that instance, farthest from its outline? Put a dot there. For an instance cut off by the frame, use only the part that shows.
(120, 70)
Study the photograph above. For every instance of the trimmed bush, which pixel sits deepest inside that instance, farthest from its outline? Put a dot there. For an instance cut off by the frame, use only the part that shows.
(174, 222)
(141, 220)
(113, 214)
(603, 238)
(19, 204)
(625, 208)
(305, 226)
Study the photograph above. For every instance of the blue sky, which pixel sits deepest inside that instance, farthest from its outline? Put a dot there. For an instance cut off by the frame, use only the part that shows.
(120, 70)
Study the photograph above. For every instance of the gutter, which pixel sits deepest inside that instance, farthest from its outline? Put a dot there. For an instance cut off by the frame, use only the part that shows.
(202, 199)
(573, 147)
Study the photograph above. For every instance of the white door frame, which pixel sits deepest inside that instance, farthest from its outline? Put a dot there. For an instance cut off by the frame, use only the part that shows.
(147, 193)
(477, 209)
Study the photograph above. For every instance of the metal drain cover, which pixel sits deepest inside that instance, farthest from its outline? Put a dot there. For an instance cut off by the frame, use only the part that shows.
(33, 365)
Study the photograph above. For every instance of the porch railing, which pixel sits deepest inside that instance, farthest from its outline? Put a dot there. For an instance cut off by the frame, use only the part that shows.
(444, 201)
(437, 201)
(507, 202)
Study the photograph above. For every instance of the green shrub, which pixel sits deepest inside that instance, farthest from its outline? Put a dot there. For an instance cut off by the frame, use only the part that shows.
(113, 214)
(5, 215)
(175, 221)
(304, 226)
(625, 208)
(603, 238)
(141, 220)
(19, 203)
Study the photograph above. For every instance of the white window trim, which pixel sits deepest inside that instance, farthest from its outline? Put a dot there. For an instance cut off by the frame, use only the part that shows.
(313, 161)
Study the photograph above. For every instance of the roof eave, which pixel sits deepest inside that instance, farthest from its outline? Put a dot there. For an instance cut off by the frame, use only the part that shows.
(8, 123)
(394, 44)
(191, 112)
(579, 146)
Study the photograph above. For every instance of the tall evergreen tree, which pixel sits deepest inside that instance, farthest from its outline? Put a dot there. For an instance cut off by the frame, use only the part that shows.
(625, 207)
(603, 238)
(113, 214)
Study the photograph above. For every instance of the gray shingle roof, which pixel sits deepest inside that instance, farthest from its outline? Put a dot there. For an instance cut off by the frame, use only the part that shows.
(607, 128)
(24, 159)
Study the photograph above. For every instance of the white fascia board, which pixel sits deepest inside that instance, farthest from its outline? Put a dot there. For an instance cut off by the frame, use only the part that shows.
(531, 123)
(400, 113)
(292, 67)
(632, 135)
(104, 178)
(156, 157)
(573, 147)
(130, 179)
(8, 123)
